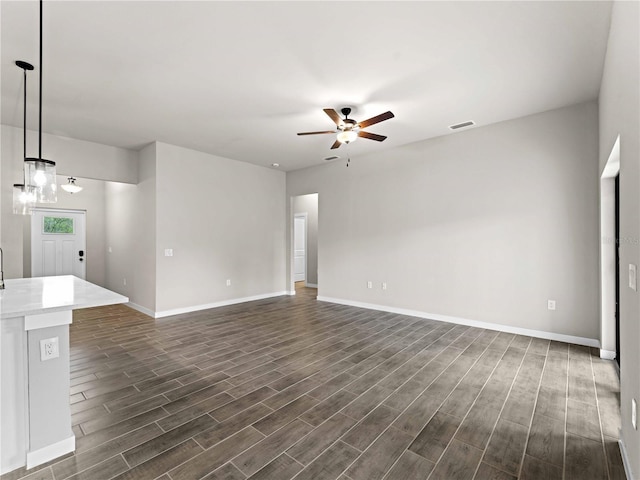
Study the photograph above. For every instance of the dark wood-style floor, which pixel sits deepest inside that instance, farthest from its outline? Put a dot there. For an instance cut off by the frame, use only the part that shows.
(291, 387)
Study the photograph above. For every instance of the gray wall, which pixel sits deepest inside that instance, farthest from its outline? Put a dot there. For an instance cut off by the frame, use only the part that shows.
(620, 115)
(486, 224)
(309, 204)
(131, 234)
(224, 220)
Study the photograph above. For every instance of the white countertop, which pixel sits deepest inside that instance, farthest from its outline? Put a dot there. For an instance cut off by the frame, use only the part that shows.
(32, 296)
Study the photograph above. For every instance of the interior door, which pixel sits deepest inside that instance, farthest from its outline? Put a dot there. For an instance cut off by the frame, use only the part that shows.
(299, 248)
(58, 243)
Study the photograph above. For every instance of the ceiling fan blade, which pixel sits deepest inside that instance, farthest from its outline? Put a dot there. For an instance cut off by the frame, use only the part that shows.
(336, 144)
(333, 115)
(316, 133)
(377, 119)
(372, 136)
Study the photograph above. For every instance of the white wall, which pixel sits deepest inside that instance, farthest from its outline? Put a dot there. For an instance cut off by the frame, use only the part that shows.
(224, 220)
(309, 204)
(486, 224)
(619, 104)
(73, 158)
(131, 234)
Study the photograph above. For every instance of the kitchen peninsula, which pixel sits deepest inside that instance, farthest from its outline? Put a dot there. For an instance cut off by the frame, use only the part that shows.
(35, 416)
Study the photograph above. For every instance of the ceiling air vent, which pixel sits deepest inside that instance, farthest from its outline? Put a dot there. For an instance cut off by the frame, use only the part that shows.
(332, 157)
(461, 125)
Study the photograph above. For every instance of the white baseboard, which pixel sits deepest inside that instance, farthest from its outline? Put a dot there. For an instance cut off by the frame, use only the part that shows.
(48, 453)
(589, 342)
(625, 460)
(291, 292)
(141, 309)
(223, 303)
(607, 354)
(311, 285)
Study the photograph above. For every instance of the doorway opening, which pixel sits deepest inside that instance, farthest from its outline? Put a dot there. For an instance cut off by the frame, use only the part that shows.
(609, 252)
(58, 243)
(304, 238)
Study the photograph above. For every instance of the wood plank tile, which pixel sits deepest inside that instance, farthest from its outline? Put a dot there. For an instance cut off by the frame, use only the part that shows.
(127, 362)
(546, 440)
(487, 472)
(367, 430)
(211, 459)
(374, 463)
(232, 408)
(264, 452)
(459, 462)
(435, 436)
(330, 464)
(506, 447)
(477, 426)
(410, 466)
(417, 415)
(227, 472)
(233, 425)
(318, 414)
(161, 443)
(534, 469)
(279, 418)
(83, 461)
(321, 438)
(162, 463)
(585, 459)
(583, 420)
(107, 469)
(282, 467)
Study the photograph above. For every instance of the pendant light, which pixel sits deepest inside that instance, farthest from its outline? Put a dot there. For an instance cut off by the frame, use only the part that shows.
(71, 187)
(40, 173)
(24, 196)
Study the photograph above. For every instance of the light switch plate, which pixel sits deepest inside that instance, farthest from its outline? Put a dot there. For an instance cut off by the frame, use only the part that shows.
(168, 252)
(551, 304)
(632, 276)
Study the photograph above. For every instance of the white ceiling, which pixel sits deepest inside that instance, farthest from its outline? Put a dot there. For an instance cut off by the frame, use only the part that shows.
(239, 79)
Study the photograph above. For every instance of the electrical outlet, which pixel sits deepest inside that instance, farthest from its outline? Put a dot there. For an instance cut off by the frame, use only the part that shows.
(632, 276)
(634, 414)
(49, 349)
(168, 252)
(124, 282)
(551, 304)
(228, 282)
(110, 250)
(384, 285)
(369, 284)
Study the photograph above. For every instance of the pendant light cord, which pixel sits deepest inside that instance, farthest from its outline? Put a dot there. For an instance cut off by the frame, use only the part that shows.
(40, 94)
(24, 120)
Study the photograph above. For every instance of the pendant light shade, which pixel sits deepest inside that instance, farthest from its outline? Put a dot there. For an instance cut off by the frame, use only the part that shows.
(41, 175)
(24, 196)
(24, 199)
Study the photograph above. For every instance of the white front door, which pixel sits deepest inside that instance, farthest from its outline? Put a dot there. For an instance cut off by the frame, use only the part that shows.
(58, 243)
(299, 248)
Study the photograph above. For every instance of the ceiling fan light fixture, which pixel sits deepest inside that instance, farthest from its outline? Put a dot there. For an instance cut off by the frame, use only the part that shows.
(71, 186)
(347, 136)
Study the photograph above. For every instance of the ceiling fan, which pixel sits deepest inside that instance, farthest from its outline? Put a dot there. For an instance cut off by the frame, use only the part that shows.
(348, 129)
